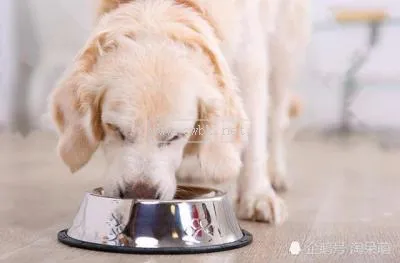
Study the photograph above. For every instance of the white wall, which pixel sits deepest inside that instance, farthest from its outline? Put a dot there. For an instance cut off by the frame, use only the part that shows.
(33, 28)
(7, 53)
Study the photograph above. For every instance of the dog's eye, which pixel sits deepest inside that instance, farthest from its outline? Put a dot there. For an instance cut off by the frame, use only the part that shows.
(117, 131)
(176, 137)
(123, 137)
(171, 139)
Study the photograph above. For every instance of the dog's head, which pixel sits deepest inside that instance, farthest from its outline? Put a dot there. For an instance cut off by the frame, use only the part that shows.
(145, 102)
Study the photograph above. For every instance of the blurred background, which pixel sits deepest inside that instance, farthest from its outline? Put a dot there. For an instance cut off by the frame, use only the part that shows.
(344, 191)
(39, 38)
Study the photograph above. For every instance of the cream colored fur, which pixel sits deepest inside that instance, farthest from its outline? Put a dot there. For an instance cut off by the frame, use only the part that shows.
(180, 91)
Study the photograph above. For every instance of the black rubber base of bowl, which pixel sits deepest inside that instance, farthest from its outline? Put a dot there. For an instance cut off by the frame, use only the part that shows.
(69, 241)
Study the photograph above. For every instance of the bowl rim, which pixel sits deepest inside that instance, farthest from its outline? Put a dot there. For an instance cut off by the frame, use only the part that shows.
(219, 195)
(245, 240)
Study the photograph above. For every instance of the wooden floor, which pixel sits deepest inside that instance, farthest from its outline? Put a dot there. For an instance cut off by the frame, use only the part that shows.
(344, 206)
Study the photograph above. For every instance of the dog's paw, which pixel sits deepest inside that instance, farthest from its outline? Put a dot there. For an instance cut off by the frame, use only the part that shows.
(278, 176)
(267, 207)
(279, 182)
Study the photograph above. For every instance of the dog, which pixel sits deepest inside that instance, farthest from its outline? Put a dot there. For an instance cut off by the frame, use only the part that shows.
(186, 91)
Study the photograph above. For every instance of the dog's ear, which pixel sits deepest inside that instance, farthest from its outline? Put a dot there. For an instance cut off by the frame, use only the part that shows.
(213, 152)
(107, 6)
(76, 104)
(221, 130)
(77, 115)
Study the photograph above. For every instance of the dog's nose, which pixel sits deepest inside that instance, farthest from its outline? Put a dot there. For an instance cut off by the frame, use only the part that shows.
(141, 190)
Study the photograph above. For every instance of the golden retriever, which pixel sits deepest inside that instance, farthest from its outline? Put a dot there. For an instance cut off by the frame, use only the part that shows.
(180, 91)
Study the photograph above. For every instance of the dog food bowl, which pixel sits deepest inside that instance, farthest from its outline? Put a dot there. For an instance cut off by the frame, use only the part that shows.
(198, 220)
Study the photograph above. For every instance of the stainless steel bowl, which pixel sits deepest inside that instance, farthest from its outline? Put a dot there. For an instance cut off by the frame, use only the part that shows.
(197, 220)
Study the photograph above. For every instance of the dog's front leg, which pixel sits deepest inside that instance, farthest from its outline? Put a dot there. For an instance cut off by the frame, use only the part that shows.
(279, 112)
(257, 199)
